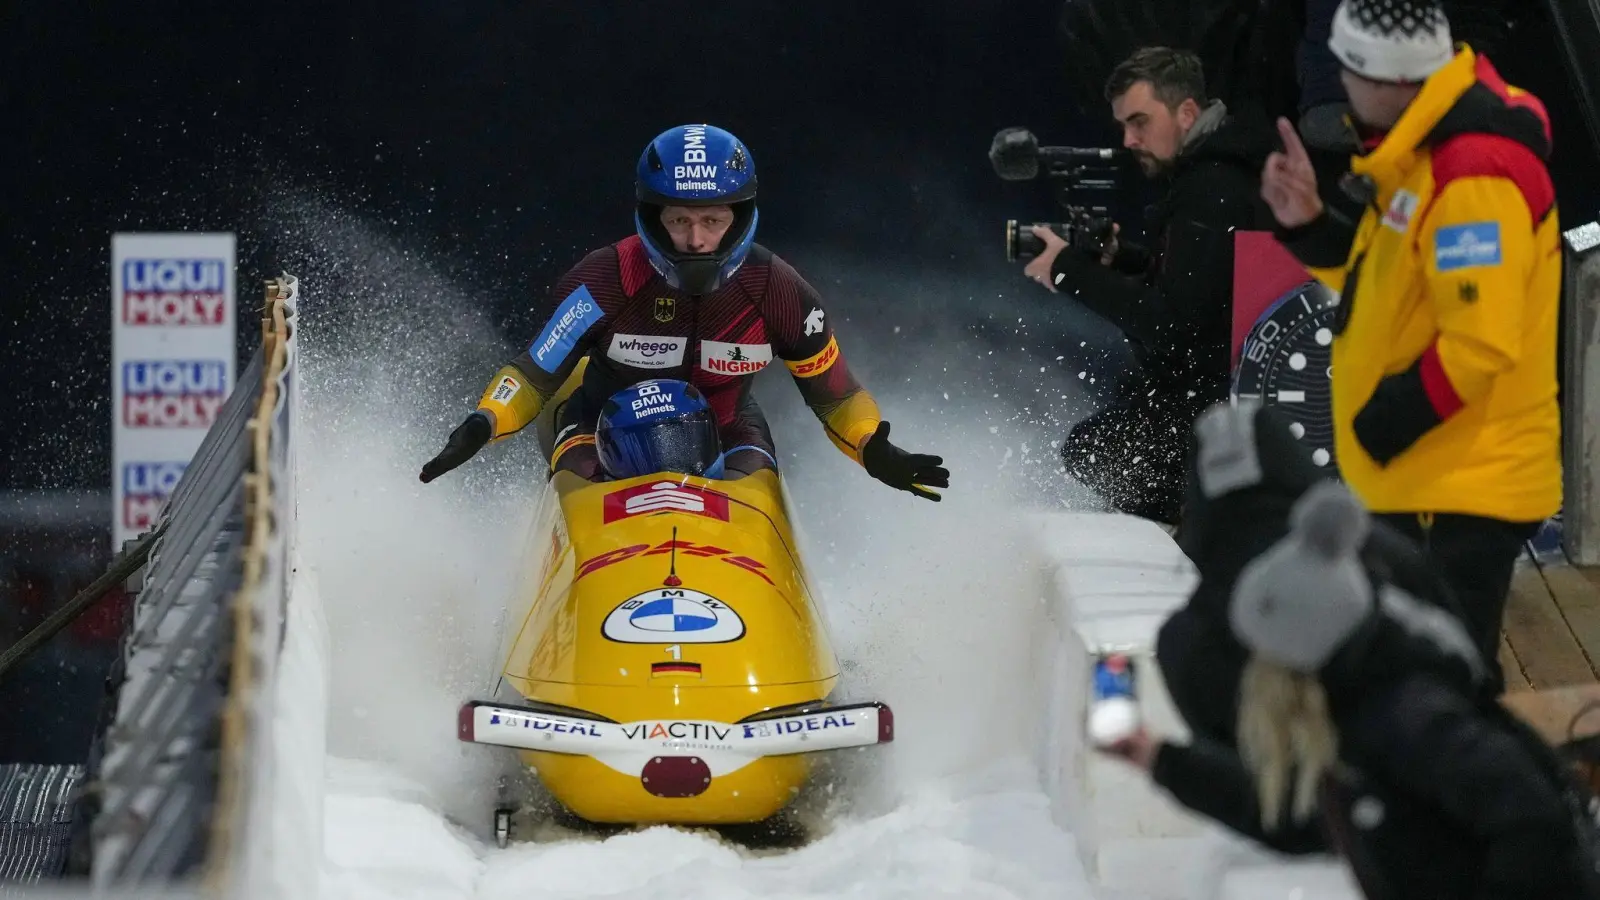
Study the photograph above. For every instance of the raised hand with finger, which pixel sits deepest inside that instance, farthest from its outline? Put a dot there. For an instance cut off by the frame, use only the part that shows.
(1289, 183)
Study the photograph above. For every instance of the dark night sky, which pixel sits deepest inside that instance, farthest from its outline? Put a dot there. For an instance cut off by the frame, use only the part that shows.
(499, 136)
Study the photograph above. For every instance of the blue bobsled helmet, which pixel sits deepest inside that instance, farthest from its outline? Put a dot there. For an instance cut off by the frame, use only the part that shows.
(660, 425)
(696, 165)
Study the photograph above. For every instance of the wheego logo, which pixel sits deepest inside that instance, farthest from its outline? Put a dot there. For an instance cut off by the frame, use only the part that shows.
(172, 393)
(571, 319)
(174, 292)
(145, 487)
(647, 348)
(646, 351)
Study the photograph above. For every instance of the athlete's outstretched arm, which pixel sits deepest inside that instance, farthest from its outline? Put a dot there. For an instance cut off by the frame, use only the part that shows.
(518, 391)
(803, 338)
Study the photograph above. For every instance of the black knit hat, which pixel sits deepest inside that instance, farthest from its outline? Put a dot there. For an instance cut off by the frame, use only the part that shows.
(1402, 41)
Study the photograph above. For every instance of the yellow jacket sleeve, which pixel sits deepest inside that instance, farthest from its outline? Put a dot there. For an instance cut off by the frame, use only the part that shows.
(1476, 253)
(1477, 245)
(509, 402)
(847, 411)
(1333, 277)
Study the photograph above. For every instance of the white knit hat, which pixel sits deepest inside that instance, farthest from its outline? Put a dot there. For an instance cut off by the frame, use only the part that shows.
(1391, 40)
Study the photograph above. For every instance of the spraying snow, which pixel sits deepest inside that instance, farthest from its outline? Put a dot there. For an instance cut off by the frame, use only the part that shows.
(930, 606)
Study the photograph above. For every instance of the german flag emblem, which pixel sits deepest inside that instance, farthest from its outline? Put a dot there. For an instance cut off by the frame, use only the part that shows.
(666, 308)
(675, 668)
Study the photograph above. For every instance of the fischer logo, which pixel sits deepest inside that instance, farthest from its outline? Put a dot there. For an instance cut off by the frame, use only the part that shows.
(173, 393)
(647, 352)
(571, 319)
(575, 313)
(734, 359)
(145, 487)
(174, 292)
(665, 496)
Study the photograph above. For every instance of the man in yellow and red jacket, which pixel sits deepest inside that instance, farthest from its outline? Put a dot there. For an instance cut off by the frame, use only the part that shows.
(1444, 372)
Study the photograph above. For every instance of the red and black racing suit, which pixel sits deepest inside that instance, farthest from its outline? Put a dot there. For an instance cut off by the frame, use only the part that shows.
(615, 309)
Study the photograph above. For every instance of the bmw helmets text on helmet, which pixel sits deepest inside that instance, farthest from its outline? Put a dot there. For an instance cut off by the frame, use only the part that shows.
(656, 426)
(696, 165)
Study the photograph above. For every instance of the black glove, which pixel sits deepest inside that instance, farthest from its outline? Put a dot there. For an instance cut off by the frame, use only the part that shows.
(468, 438)
(1397, 416)
(899, 469)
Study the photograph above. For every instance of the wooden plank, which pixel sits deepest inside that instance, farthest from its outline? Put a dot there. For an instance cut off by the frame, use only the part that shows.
(1515, 678)
(1579, 602)
(1550, 712)
(1591, 573)
(1547, 649)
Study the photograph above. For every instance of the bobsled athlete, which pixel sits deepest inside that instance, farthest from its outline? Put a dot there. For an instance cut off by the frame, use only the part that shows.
(689, 296)
(663, 425)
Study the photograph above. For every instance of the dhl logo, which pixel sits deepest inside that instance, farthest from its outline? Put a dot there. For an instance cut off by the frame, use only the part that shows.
(818, 364)
(687, 548)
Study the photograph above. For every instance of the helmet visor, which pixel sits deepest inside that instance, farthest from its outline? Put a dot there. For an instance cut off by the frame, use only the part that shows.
(687, 445)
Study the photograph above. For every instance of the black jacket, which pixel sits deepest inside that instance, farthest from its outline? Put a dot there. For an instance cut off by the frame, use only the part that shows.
(1200, 658)
(1177, 309)
(1444, 793)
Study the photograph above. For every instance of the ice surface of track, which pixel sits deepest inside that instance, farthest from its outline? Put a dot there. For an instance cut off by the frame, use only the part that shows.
(930, 606)
(974, 838)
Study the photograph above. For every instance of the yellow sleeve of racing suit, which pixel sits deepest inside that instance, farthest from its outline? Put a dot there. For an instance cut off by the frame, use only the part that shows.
(509, 402)
(848, 413)
(1477, 247)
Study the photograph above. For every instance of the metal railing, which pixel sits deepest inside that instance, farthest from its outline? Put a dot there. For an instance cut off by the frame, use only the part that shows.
(170, 785)
(1580, 518)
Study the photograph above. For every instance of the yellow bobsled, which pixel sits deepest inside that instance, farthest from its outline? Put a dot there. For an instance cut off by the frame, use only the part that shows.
(669, 665)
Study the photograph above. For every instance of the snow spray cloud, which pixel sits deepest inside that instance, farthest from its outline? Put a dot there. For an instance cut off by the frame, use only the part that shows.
(414, 577)
(932, 607)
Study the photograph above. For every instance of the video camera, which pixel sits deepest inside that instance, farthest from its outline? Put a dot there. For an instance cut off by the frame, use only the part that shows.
(1075, 173)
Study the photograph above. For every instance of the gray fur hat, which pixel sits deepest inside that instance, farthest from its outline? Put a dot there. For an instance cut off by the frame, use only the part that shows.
(1297, 603)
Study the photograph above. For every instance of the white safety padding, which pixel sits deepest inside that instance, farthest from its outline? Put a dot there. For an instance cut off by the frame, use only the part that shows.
(282, 852)
(300, 743)
(1115, 579)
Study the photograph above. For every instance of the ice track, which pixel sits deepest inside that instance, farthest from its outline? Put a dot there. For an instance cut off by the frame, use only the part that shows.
(930, 606)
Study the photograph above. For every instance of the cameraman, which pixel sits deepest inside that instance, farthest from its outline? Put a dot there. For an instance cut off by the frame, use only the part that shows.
(1173, 301)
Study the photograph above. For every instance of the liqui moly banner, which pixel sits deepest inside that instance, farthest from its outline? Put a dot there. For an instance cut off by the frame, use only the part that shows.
(172, 363)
